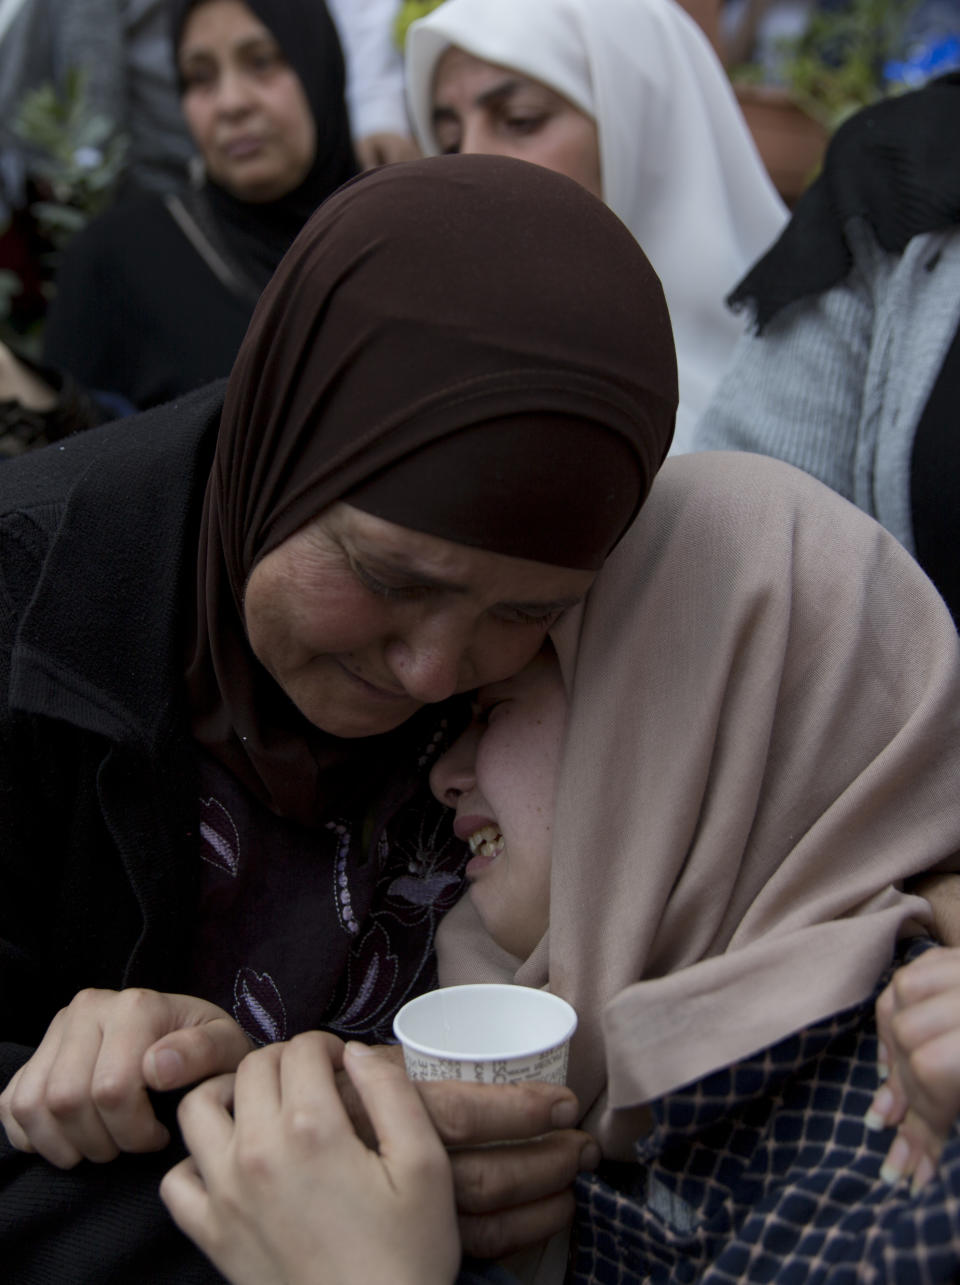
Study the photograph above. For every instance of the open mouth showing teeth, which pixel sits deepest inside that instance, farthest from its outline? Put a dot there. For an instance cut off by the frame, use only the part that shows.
(487, 842)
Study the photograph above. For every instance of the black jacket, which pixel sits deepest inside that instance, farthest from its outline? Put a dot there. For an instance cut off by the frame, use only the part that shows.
(97, 796)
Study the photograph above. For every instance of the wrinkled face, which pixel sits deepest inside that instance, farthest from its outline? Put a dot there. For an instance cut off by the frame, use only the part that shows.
(361, 621)
(478, 107)
(501, 777)
(244, 103)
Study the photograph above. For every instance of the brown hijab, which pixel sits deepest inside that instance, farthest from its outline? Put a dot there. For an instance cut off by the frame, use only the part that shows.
(763, 742)
(454, 302)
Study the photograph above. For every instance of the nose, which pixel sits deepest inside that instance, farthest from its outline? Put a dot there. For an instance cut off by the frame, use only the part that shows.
(455, 772)
(477, 138)
(233, 96)
(431, 660)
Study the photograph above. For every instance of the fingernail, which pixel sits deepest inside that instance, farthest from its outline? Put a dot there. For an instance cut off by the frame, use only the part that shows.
(590, 1156)
(922, 1175)
(880, 1107)
(564, 1114)
(168, 1068)
(883, 1061)
(892, 1168)
(356, 1049)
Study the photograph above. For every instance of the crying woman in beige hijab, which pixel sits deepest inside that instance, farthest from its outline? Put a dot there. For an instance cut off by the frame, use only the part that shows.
(693, 819)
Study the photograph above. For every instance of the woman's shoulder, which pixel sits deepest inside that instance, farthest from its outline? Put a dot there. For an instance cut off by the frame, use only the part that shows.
(132, 224)
(167, 438)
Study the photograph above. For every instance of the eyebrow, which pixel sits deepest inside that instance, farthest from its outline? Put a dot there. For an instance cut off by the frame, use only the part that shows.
(244, 46)
(494, 95)
(423, 578)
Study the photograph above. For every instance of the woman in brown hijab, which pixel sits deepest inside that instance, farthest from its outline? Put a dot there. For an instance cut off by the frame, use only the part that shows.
(234, 638)
(693, 821)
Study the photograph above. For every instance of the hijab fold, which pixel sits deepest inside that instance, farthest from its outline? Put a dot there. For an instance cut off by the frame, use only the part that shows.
(677, 160)
(763, 743)
(420, 301)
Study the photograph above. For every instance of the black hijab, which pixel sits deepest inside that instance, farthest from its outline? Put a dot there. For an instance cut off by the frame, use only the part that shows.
(428, 311)
(257, 235)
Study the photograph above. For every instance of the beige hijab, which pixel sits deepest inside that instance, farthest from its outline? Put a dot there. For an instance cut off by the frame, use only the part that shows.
(763, 741)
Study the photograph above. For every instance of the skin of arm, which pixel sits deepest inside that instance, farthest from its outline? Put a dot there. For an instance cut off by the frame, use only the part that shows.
(918, 1025)
(280, 1190)
(19, 384)
(384, 148)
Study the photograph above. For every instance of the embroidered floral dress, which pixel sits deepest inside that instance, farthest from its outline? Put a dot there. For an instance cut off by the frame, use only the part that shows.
(329, 928)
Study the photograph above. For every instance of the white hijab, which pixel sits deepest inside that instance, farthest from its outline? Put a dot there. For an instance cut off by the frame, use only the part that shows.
(678, 163)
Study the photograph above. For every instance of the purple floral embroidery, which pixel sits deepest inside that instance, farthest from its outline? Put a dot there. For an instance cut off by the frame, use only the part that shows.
(421, 891)
(371, 999)
(219, 840)
(427, 876)
(258, 1006)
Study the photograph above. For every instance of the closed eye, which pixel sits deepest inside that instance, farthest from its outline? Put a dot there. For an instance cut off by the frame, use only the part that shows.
(398, 592)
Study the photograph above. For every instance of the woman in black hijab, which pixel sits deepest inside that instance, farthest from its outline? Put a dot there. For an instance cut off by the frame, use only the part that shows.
(154, 297)
(236, 631)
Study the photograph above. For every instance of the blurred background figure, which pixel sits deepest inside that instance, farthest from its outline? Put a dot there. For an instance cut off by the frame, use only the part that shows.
(628, 97)
(852, 371)
(154, 296)
(90, 114)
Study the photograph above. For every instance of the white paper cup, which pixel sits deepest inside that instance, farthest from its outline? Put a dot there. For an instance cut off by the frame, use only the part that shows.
(486, 1034)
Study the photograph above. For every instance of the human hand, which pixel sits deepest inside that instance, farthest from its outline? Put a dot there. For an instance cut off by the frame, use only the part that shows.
(942, 891)
(384, 148)
(283, 1192)
(20, 384)
(508, 1197)
(83, 1093)
(918, 1025)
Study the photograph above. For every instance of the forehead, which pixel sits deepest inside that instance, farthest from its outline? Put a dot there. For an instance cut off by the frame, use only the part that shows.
(461, 75)
(215, 23)
(456, 566)
(540, 682)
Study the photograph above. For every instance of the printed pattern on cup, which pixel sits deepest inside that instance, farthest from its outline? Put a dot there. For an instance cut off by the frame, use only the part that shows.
(549, 1066)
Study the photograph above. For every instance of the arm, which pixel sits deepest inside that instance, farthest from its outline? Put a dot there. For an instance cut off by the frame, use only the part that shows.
(20, 383)
(796, 391)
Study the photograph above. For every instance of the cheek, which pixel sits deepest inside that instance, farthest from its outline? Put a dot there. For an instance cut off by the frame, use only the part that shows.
(198, 117)
(289, 625)
(296, 124)
(500, 651)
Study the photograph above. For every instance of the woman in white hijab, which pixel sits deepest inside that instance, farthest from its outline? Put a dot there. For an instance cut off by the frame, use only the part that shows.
(676, 160)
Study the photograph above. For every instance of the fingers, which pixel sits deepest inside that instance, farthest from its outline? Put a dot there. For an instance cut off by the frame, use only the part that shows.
(184, 1193)
(508, 1230)
(206, 1120)
(913, 1154)
(491, 1178)
(473, 1114)
(407, 1138)
(81, 1095)
(199, 1041)
(15, 1134)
